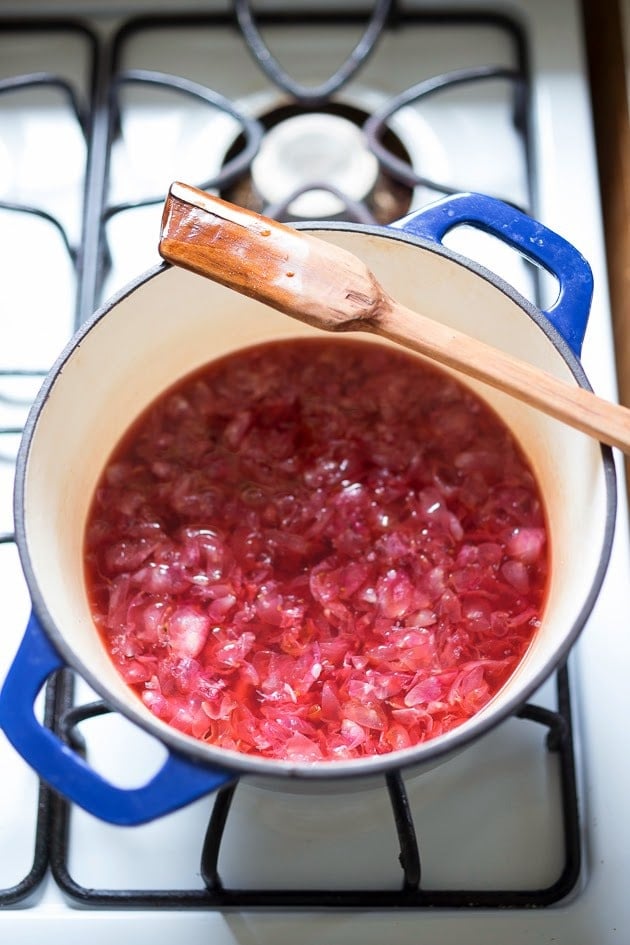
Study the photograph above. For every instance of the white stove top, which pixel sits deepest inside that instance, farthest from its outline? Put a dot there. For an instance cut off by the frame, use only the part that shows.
(487, 819)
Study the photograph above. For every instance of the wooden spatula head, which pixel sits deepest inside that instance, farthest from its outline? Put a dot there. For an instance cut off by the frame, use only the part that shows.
(291, 271)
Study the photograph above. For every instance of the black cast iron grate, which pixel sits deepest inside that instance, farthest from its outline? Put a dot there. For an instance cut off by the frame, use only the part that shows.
(99, 118)
(11, 89)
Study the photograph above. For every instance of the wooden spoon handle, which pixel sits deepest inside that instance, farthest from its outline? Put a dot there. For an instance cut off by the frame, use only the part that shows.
(329, 288)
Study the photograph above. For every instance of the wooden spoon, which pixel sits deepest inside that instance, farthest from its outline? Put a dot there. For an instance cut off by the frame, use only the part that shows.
(330, 288)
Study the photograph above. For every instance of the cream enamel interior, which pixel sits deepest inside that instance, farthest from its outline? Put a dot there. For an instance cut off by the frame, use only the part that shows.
(175, 322)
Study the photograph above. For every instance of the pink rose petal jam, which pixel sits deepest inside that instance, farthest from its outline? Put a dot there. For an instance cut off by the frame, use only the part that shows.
(315, 550)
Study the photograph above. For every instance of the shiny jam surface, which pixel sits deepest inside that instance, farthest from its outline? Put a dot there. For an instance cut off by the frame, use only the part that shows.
(316, 549)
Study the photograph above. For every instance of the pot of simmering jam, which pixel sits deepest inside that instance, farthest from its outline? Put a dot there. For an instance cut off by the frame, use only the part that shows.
(303, 558)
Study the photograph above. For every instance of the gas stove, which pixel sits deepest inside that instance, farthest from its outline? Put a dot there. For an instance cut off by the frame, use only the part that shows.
(522, 838)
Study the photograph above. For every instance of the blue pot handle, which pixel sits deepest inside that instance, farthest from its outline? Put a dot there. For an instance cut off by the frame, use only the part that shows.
(177, 783)
(569, 313)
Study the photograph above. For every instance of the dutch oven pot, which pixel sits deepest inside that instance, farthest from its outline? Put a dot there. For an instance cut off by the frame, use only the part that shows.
(170, 322)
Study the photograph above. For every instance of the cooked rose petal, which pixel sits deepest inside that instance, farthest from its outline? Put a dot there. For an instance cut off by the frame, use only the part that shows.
(397, 738)
(515, 572)
(156, 702)
(369, 716)
(127, 555)
(232, 653)
(300, 748)
(526, 544)
(429, 690)
(309, 551)
(395, 594)
(330, 705)
(352, 733)
(187, 631)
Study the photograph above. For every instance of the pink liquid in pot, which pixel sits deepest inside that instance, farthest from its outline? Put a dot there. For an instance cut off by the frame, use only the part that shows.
(316, 550)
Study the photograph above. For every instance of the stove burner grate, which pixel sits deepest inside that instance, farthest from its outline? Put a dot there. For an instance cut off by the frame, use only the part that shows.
(100, 124)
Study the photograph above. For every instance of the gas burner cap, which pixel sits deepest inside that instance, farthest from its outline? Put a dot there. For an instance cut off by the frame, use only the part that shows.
(310, 149)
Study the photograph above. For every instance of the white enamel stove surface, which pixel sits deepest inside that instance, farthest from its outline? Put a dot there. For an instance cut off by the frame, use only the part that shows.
(503, 782)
